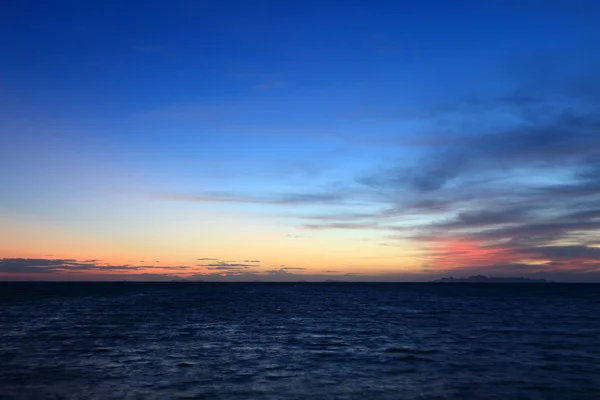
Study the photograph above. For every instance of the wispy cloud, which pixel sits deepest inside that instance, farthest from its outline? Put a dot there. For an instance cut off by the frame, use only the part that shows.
(283, 199)
(344, 225)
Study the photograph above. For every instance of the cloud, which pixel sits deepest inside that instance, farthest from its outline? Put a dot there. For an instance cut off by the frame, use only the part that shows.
(58, 266)
(545, 126)
(539, 232)
(282, 199)
(554, 141)
(565, 252)
(280, 271)
(230, 267)
(511, 181)
(487, 218)
(207, 259)
(515, 187)
(31, 265)
(508, 182)
(246, 264)
(344, 225)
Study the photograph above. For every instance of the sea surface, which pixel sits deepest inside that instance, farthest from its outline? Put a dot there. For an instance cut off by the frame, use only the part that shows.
(299, 341)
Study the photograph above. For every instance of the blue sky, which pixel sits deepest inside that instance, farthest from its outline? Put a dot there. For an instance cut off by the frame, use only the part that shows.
(368, 138)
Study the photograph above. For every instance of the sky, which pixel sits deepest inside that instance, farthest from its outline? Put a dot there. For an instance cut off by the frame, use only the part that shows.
(299, 140)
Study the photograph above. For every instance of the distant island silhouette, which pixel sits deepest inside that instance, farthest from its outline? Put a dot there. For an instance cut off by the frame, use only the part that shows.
(485, 279)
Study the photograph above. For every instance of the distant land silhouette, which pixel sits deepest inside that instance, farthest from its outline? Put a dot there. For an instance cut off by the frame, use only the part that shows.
(485, 279)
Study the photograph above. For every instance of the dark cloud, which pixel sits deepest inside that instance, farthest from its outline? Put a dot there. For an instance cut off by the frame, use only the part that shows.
(57, 266)
(568, 252)
(549, 125)
(227, 268)
(207, 259)
(545, 230)
(37, 265)
(583, 185)
(486, 218)
(281, 271)
(584, 212)
(177, 267)
(227, 264)
(30, 265)
(554, 141)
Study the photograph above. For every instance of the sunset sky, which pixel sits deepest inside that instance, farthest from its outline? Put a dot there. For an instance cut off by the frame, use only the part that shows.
(299, 140)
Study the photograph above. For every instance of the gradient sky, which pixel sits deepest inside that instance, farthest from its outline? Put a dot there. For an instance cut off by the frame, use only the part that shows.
(287, 140)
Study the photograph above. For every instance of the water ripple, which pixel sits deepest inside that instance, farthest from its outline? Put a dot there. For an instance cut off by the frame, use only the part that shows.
(293, 341)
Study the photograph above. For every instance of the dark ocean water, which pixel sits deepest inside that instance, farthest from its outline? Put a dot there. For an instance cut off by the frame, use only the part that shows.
(297, 341)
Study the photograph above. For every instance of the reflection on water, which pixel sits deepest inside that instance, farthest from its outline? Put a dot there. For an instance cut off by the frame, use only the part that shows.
(280, 341)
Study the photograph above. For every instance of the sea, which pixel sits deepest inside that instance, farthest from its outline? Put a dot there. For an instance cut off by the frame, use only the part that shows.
(181, 340)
